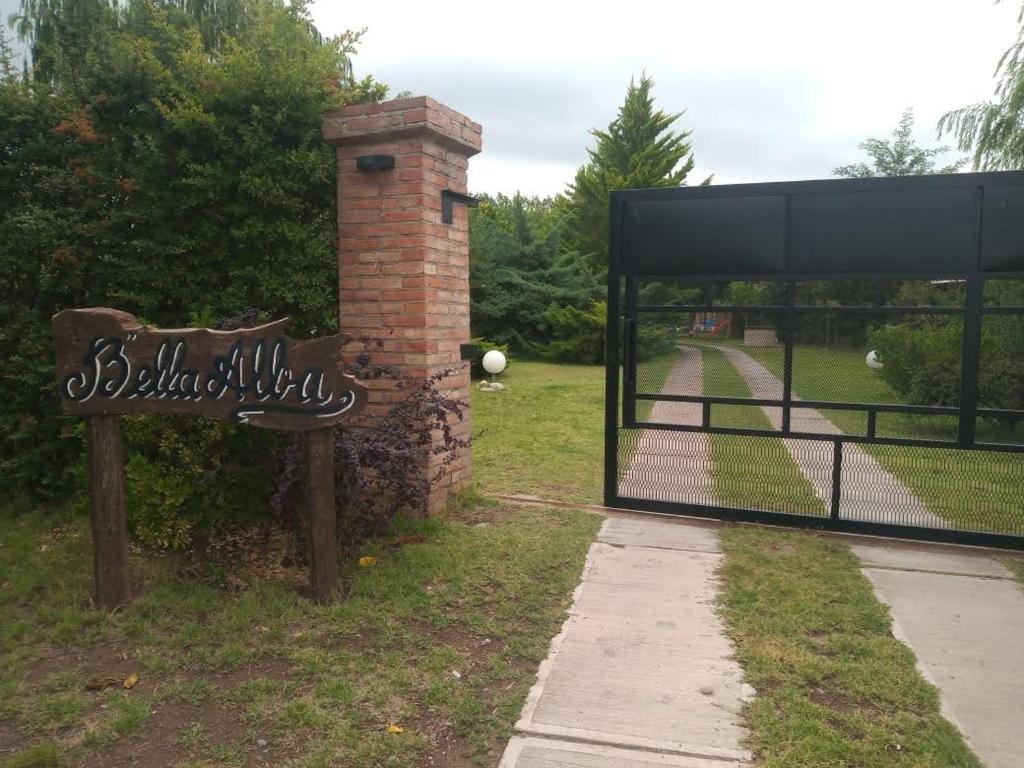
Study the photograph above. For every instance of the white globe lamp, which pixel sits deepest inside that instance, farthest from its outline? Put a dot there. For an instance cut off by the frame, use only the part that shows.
(494, 362)
(872, 360)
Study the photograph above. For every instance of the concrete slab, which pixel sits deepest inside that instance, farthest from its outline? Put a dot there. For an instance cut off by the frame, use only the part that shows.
(531, 752)
(660, 534)
(907, 557)
(643, 662)
(968, 635)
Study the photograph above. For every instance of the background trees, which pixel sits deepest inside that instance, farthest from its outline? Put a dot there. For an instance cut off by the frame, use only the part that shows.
(162, 157)
(638, 150)
(900, 156)
(993, 131)
(520, 269)
(538, 265)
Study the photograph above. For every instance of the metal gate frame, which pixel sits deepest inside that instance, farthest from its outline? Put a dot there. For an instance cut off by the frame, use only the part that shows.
(965, 227)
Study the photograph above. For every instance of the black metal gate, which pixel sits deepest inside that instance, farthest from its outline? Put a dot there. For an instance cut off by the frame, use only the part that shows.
(739, 379)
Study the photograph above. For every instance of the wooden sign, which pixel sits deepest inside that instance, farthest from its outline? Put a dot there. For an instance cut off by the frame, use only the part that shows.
(109, 364)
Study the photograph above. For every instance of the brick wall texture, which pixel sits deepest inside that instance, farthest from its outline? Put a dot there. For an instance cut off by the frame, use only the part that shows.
(404, 275)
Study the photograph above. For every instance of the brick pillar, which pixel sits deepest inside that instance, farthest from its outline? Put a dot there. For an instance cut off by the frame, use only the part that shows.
(404, 275)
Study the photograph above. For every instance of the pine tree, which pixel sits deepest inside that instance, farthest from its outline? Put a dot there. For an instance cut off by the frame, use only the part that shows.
(638, 150)
(899, 157)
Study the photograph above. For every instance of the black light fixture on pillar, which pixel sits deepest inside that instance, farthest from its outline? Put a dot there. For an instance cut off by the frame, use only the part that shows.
(449, 198)
(375, 163)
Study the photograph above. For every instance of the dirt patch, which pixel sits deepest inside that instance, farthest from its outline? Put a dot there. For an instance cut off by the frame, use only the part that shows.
(477, 649)
(448, 753)
(830, 699)
(447, 749)
(161, 741)
(265, 669)
(100, 660)
(11, 740)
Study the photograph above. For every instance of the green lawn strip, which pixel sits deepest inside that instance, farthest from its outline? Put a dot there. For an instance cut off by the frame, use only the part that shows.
(751, 472)
(655, 373)
(982, 491)
(834, 688)
(1016, 564)
(441, 637)
(544, 435)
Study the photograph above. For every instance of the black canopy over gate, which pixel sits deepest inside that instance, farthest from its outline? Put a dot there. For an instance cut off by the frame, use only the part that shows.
(846, 354)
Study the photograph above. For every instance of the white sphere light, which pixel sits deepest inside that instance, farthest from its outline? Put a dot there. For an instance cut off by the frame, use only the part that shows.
(873, 361)
(494, 362)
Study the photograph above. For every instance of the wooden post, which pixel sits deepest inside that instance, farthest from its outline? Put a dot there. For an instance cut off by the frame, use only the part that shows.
(109, 525)
(323, 573)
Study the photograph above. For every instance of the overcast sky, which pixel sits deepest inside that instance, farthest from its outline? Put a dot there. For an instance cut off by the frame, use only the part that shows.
(772, 90)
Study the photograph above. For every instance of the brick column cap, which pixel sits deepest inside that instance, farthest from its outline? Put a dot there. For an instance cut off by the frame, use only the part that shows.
(422, 116)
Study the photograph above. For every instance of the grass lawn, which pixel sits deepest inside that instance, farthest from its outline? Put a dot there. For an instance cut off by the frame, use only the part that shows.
(1016, 564)
(751, 472)
(428, 659)
(834, 688)
(973, 490)
(544, 435)
(651, 380)
(439, 639)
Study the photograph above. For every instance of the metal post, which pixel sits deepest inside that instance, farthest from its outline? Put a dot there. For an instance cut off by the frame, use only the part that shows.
(971, 359)
(611, 382)
(787, 369)
(629, 372)
(837, 478)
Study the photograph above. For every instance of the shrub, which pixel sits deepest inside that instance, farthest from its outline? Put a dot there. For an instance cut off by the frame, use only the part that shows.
(167, 172)
(379, 461)
(922, 361)
(580, 335)
(483, 346)
(190, 479)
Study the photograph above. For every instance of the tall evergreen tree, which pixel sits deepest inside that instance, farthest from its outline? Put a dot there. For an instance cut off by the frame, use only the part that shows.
(638, 150)
(993, 131)
(899, 157)
(519, 269)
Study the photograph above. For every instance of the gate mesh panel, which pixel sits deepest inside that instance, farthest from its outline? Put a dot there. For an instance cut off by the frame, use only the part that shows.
(980, 491)
(1001, 378)
(922, 355)
(760, 473)
(744, 311)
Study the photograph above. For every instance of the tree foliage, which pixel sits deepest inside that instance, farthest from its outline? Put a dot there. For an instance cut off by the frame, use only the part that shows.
(993, 131)
(900, 156)
(165, 159)
(520, 269)
(639, 149)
